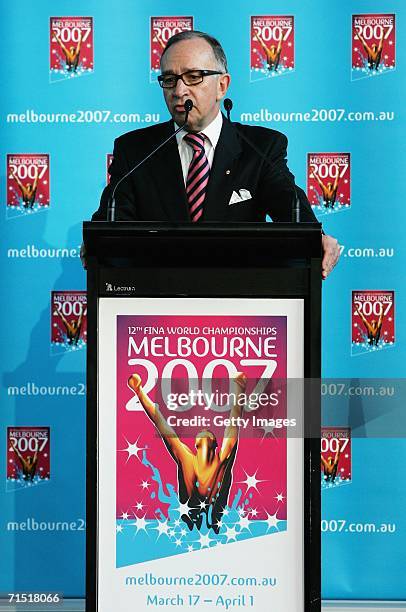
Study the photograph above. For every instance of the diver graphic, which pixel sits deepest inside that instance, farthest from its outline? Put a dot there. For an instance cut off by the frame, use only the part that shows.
(328, 190)
(28, 191)
(72, 54)
(374, 52)
(28, 465)
(204, 476)
(73, 328)
(330, 466)
(272, 53)
(373, 327)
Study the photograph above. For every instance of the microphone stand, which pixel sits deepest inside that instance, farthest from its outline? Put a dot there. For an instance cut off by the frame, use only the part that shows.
(228, 105)
(111, 208)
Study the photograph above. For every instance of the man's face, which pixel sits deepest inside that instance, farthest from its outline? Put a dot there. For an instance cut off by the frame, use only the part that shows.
(194, 54)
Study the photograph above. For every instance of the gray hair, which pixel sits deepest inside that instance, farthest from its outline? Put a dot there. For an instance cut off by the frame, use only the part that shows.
(213, 42)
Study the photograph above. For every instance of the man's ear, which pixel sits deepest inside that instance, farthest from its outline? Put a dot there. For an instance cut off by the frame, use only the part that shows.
(223, 85)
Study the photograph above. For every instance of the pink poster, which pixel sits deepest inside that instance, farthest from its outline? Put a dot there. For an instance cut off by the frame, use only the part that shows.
(201, 432)
(372, 321)
(336, 456)
(373, 49)
(272, 51)
(329, 182)
(71, 49)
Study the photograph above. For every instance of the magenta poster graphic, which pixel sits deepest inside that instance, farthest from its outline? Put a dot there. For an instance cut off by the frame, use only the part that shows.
(329, 182)
(28, 183)
(162, 28)
(71, 47)
(372, 321)
(373, 50)
(68, 321)
(201, 433)
(28, 456)
(109, 161)
(335, 456)
(272, 49)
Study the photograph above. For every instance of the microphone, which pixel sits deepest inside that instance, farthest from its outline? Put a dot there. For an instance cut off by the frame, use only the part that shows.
(228, 106)
(111, 207)
(188, 107)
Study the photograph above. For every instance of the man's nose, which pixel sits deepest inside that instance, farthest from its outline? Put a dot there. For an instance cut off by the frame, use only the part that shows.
(180, 88)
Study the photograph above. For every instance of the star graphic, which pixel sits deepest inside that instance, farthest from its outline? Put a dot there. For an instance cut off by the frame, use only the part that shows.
(177, 522)
(183, 508)
(139, 505)
(190, 548)
(178, 542)
(231, 533)
(279, 497)
(251, 481)
(268, 429)
(183, 532)
(124, 516)
(244, 523)
(119, 528)
(145, 484)
(162, 527)
(140, 523)
(132, 449)
(225, 512)
(219, 524)
(202, 505)
(242, 512)
(272, 521)
(254, 512)
(204, 540)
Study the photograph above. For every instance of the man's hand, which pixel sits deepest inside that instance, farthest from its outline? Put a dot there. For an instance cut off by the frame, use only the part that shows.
(331, 253)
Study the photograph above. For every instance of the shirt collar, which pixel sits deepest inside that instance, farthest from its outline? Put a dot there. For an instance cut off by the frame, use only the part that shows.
(211, 132)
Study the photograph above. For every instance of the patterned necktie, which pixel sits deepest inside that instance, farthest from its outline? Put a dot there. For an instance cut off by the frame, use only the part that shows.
(197, 177)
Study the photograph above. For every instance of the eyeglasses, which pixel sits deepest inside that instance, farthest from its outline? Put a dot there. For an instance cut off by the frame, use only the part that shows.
(191, 77)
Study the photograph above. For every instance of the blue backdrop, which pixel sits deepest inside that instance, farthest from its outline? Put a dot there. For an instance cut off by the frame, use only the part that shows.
(323, 104)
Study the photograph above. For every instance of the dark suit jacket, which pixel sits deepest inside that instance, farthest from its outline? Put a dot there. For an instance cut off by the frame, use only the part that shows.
(156, 191)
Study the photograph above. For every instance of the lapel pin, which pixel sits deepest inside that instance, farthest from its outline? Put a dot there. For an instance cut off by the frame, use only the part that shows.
(228, 171)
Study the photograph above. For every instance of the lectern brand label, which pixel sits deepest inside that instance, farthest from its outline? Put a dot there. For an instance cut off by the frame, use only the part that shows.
(373, 50)
(28, 183)
(272, 50)
(119, 289)
(373, 321)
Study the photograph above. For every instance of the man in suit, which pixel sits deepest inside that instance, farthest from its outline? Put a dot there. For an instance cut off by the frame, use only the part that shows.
(207, 173)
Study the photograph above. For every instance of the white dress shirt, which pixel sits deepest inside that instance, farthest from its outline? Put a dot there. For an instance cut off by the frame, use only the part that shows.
(211, 133)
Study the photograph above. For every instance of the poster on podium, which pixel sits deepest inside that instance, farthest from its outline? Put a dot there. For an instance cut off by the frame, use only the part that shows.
(200, 484)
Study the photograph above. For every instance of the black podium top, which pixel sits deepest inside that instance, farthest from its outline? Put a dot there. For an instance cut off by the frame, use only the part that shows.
(149, 243)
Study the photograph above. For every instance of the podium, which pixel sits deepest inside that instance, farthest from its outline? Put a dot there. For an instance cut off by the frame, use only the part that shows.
(187, 308)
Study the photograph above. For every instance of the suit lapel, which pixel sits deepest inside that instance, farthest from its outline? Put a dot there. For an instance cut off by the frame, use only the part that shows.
(169, 178)
(220, 186)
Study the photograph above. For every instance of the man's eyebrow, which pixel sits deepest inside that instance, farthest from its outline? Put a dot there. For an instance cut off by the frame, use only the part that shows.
(165, 72)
